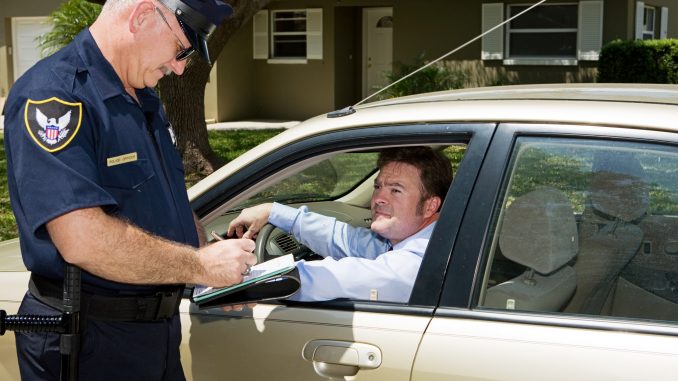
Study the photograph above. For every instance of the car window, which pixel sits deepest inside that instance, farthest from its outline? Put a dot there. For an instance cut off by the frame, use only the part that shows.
(325, 180)
(339, 186)
(586, 227)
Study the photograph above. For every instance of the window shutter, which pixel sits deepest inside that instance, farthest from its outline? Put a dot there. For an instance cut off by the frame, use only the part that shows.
(590, 33)
(664, 25)
(492, 43)
(640, 15)
(314, 34)
(260, 36)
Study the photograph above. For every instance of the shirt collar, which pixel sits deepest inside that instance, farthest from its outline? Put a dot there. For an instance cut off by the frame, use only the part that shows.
(423, 233)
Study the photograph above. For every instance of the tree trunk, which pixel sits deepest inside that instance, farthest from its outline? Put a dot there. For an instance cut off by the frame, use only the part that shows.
(184, 96)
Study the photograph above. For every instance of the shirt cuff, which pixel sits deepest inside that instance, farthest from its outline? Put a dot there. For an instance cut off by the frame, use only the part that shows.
(283, 216)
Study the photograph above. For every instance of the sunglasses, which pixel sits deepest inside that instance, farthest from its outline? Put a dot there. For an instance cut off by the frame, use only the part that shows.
(184, 53)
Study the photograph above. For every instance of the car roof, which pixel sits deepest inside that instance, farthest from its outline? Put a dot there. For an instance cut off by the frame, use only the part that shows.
(617, 92)
(641, 106)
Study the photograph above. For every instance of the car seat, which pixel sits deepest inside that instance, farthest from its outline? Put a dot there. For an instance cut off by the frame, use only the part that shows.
(609, 232)
(538, 231)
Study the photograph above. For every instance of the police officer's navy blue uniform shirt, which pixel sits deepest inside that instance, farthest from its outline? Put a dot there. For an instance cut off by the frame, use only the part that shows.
(75, 139)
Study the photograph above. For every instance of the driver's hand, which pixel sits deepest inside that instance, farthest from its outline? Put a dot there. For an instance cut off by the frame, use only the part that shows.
(238, 307)
(250, 221)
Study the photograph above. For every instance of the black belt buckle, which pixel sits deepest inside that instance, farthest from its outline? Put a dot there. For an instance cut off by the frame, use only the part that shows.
(167, 304)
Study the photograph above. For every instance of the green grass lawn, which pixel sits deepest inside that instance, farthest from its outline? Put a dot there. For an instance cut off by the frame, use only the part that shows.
(226, 144)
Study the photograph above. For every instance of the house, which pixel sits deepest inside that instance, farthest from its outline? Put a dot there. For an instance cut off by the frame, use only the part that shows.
(303, 58)
(296, 59)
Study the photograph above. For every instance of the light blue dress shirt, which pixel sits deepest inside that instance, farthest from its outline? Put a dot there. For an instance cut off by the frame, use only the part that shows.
(357, 264)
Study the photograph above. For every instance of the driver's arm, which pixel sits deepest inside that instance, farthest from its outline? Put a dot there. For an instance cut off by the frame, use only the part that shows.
(327, 236)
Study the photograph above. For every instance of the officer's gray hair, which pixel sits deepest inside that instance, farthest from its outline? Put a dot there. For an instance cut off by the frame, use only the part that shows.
(113, 6)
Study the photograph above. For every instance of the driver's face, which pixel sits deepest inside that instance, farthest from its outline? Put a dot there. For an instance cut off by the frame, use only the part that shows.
(396, 196)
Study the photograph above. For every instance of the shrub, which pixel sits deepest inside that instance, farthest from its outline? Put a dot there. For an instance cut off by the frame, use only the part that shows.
(433, 78)
(649, 61)
(68, 20)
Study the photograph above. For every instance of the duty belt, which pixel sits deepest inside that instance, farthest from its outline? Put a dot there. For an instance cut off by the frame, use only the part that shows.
(161, 305)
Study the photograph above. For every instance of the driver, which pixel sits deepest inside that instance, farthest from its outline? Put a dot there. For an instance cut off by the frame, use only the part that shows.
(380, 263)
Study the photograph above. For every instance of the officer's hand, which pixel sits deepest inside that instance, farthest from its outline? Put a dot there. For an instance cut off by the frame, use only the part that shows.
(250, 221)
(224, 262)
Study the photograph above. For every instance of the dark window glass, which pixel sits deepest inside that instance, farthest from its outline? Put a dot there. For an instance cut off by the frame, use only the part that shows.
(290, 25)
(542, 44)
(289, 46)
(545, 16)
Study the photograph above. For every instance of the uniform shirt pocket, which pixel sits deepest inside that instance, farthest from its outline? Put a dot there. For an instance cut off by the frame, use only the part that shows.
(128, 176)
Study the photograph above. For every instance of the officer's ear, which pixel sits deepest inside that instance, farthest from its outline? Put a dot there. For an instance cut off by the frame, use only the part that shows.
(140, 15)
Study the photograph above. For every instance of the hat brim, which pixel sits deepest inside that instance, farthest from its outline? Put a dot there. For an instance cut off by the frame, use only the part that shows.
(196, 27)
(197, 41)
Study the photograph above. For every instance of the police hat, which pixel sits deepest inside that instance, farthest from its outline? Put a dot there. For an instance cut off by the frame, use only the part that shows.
(198, 19)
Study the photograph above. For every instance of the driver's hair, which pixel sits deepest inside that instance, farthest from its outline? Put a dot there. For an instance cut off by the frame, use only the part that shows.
(435, 171)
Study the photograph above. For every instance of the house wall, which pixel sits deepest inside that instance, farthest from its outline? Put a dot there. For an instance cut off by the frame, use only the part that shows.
(297, 91)
(426, 28)
(673, 14)
(250, 88)
(17, 8)
(236, 87)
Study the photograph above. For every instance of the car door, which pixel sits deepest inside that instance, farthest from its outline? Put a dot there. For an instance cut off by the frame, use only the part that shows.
(563, 268)
(341, 338)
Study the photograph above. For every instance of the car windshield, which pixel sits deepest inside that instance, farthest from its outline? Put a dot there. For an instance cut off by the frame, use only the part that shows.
(326, 180)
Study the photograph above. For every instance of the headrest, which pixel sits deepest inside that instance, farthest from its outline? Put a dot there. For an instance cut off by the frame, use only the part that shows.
(617, 187)
(539, 230)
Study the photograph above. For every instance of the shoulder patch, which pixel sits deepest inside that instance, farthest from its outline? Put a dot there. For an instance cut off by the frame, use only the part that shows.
(52, 123)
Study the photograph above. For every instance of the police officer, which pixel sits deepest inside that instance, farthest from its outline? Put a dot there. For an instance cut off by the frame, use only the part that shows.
(96, 181)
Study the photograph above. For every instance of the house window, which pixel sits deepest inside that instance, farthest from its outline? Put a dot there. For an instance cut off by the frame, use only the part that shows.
(547, 31)
(288, 37)
(649, 16)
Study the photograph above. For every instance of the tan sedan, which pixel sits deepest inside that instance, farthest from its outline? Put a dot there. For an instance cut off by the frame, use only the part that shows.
(555, 256)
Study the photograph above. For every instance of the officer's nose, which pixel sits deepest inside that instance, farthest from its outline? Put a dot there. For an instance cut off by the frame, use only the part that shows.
(178, 67)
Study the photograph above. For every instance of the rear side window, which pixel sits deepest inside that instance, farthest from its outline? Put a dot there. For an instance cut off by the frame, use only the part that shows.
(586, 227)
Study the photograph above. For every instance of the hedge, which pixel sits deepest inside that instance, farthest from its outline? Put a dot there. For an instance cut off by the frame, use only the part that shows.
(638, 61)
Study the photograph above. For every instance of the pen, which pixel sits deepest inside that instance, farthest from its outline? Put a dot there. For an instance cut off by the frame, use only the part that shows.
(220, 238)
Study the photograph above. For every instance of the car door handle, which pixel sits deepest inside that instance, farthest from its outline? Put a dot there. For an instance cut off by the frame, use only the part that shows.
(336, 359)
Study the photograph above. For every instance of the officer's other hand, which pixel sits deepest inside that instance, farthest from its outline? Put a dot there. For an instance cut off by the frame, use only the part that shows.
(250, 221)
(224, 262)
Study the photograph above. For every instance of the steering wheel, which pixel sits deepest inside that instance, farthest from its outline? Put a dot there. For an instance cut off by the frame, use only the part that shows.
(262, 240)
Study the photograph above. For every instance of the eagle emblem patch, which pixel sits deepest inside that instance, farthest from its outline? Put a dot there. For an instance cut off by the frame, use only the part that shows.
(52, 122)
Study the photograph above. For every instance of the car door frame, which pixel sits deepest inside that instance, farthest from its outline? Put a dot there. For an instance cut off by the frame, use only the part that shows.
(407, 322)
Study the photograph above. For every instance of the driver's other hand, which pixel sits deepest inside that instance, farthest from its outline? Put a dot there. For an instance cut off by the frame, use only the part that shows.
(223, 262)
(250, 221)
(238, 307)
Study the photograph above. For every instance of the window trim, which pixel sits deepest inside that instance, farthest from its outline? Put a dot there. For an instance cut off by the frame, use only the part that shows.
(589, 36)
(275, 34)
(263, 46)
(651, 33)
(555, 60)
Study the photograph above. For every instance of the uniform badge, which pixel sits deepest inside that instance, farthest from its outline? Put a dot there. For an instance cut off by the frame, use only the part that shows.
(52, 122)
(173, 136)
